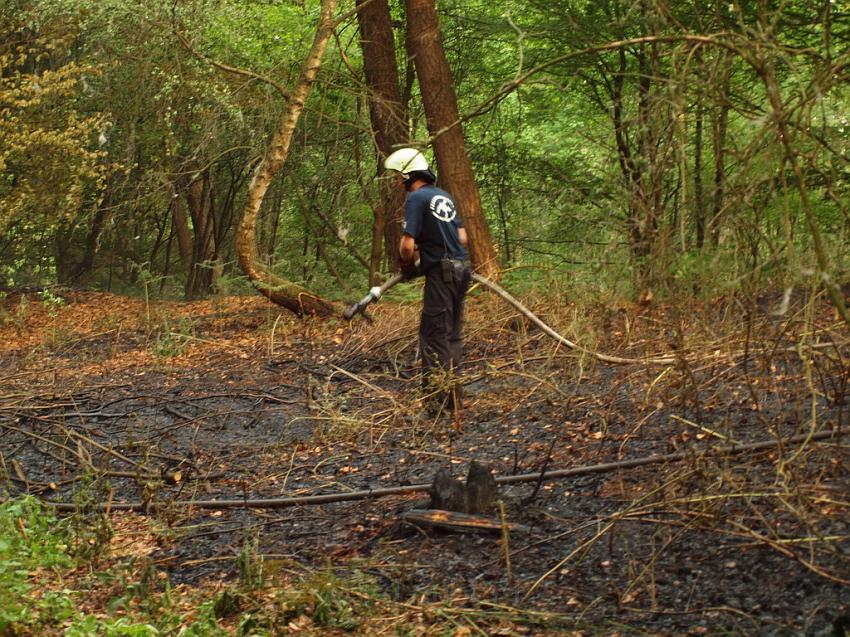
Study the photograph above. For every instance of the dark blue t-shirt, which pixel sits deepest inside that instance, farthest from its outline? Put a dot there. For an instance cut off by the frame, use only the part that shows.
(431, 217)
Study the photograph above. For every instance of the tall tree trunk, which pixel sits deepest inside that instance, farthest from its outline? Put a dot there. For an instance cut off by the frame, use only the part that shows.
(289, 295)
(386, 112)
(271, 242)
(644, 145)
(630, 165)
(424, 45)
(200, 197)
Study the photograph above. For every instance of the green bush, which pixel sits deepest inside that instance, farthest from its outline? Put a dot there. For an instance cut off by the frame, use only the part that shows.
(27, 542)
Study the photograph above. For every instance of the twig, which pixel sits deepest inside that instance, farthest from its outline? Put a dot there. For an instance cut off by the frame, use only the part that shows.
(506, 545)
(280, 503)
(705, 429)
(545, 466)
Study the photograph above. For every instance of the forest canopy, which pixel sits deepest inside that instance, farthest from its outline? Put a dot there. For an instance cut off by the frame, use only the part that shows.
(693, 147)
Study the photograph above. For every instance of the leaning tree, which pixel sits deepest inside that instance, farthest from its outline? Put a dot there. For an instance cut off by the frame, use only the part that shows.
(285, 293)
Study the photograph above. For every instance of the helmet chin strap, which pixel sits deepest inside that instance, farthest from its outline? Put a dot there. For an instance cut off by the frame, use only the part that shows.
(415, 176)
(409, 181)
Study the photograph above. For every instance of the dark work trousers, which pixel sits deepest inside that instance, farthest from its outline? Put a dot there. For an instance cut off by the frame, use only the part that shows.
(440, 328)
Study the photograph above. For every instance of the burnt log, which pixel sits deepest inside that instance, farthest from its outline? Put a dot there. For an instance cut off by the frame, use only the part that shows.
(460, 522)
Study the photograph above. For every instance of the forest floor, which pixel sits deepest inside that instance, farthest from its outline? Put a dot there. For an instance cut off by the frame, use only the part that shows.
(111, 399)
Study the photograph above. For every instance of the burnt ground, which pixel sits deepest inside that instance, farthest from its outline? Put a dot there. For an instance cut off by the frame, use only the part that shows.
(232, 399)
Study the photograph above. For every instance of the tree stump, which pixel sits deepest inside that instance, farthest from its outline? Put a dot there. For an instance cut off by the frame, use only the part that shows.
(477, 495)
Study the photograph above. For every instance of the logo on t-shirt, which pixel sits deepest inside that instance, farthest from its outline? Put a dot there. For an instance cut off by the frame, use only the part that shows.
(443, 208)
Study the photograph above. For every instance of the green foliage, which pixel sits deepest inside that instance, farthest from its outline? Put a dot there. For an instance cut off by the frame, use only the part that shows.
(258, 35)
(170, 342)
(50, 162)
(205, 623)
(89, 527)
(330, 600)
(41, 588)
(32, 541)
(587, 168)
(28, 542)
(250, 564)
(90, 626)
(27, 532)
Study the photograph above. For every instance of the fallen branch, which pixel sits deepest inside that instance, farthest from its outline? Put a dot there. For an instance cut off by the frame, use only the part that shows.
(376, 292)
(368, 494)
(531, 316)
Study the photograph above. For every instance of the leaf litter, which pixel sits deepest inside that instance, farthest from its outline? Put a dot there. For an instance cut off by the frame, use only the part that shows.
(231, 398)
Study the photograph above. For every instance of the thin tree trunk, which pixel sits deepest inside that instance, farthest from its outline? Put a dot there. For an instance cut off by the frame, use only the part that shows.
(699, 199)
(163, 224)
(166, 268)
(101, 218)
(424, 45)
(720, 126)
(286, 294)
(330, 225)
(647, 152)
(272, 225)
(503, 218)
(768, 76)
(323, 253)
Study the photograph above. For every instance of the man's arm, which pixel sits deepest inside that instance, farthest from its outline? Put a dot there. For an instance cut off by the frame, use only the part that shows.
(406, 248)
(462, 236)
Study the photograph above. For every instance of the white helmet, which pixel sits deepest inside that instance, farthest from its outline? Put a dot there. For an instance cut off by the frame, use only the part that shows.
(406, 161)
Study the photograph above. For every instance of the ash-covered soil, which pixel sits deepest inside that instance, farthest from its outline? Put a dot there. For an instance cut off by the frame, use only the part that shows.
(231, 399)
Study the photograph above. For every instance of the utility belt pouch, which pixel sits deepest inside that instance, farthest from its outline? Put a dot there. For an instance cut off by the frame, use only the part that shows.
(447, 268)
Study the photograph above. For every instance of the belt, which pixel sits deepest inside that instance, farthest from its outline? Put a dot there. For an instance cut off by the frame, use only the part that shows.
(455, 262)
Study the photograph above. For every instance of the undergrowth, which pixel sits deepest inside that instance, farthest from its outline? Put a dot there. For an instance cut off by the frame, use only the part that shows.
(46, 589)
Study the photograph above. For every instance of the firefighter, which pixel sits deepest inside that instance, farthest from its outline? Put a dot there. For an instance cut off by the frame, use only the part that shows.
(433, 228)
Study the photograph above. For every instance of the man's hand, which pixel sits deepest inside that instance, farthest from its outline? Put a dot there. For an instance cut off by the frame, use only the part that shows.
(409, 270)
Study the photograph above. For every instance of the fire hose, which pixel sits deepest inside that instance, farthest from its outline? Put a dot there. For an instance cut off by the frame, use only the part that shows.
(379, 492)
(376, 292)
